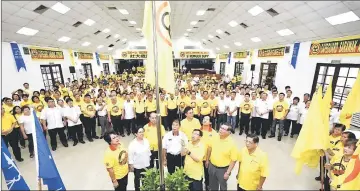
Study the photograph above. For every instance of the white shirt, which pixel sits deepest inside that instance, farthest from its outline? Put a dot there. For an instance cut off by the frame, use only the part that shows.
(102, 112)
(139, 153)
(272, 101)
(129, 109)
(334, 117)
(232, 105)
(262, 107)
(16, 103)
(221, 106)
(174, 144)
(74, 113)
(253, 112)
(294, 111)
(303, 113)
(53, 117)
(289, 100)
(28, 122)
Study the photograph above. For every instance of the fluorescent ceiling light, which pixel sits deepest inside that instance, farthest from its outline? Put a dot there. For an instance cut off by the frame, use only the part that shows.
(342, 18)
(89, 22)
(85, 44)
(255, 10)
(116, 36)
(106, 30)
(237, 43)
(256, 39)
(100, 46)
(124, 11)
(188, 30)
(193, 22)
(285, 32)
(123, 40)
(27, 31)
(110, 48)
(64, 39)
(226, 46)
(138, 29)
(203, 40)
(233, 23)
(210, 36)
(186, 34)
(61, 8)
(200, 12)
(219, 31)
(132, 22)
(217, 48)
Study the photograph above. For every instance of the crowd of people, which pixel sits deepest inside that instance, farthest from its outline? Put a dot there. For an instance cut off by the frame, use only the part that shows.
(196, 122)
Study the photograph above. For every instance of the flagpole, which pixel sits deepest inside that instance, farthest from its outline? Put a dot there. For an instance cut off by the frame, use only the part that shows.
(158, 119)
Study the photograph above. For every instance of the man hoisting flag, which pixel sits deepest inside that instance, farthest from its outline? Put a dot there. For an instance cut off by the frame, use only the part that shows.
(12, 176)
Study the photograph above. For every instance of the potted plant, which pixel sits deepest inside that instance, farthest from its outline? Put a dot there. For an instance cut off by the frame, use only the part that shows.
(177, 181)
(151, 180)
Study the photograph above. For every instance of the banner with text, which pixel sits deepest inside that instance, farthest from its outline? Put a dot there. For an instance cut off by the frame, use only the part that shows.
(85, 56)
(193, 54)
(104, 56)
(134, 54)
(271, 52)
(46, 54)
(240, 55)
(336, 47)
(223, 56)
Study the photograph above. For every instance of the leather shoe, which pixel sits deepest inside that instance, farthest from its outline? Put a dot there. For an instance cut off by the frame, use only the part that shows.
(271, 136)
(279, 138)
(317, 178)
(65, 145)
(83, 142)
(20, 159)
(53, 148)
(75, 143)
(95, 137)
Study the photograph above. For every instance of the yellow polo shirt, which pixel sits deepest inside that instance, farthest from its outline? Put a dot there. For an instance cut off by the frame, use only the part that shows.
(205, 106)
(185, 99)
(17, 117)
(246, 107)
(192, 169)
(214, 103)
(6, 121)
(87, 108)
(151, 134)
(187, 126)
(139, 106)
(252, 167)
(115, 109)
(163, 108)
(337, 173)
(338, 149)
(333, 140)
(111, 160)
(223, 151)
(150, 106)
(171, 103)
(279, 109)
(23, 103)
(194, 105)
(208, 137)
(8, 109)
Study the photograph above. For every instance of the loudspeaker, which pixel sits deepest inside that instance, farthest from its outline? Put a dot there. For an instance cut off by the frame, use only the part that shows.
(72, 69)
(26, 50)
(252, 67)
(287, 49)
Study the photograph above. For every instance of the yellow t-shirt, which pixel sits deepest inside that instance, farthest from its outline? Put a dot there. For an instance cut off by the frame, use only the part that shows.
(194, 105)
(279, 109)
(78, 103)
(208, 137)
(64, 91)
(205, 106)
(246, 107)
(338, 149)
(151, 134)
(6, 121)
(223, 151)
(111, 160)
(139, 106)
(150, 106)
(115, 109)
(163, 108)
(171, 103)
(185, 99)
(8, 109)
(187, 126)
(339, 166)
(252, 167)
(192, 169)
(87, 108)
(23, 103)
(214, 103)
(17, 117)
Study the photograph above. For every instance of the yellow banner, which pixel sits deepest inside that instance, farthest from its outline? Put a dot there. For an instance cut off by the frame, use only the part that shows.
(223, 56)
(193, 54)
(336, 47)
(85, 56)
(104, 56)
(271, 52)
(72, 60)
(240, 54)
(46, 54)
(134, 54)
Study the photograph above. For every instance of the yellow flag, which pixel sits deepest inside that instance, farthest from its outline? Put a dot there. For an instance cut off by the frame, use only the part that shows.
(352, 104)
(72, 60)
(326, 107)
(164, 45)
(352, 172)
(313, 136)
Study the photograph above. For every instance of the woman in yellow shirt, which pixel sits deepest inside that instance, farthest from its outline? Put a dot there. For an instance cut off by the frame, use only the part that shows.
(9, 135)
(17, 112)
(25, 100)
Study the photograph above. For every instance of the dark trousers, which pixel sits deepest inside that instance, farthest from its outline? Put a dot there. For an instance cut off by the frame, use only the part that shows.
(122, 184)
(289, 123)
(221, 118)
(128, 124)
(262, 126)
(76, 133)
(206, 174)
(13, 139)
(89, 125)
(53, 133)
(140, 119)
(271, 117)
(31, 143)
(154, 159)
(165, 123)
(173, 161)
(172, 115)
(281, 127)
(21, 138)
(239, 189)
(212, 120)
(138, 175)
(254, 123)
(195, 185)
(117, 124)
(237, 117)
(298, 129)
(244, 122)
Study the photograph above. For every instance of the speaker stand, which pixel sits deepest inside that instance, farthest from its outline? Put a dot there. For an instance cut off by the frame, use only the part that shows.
(252, 78)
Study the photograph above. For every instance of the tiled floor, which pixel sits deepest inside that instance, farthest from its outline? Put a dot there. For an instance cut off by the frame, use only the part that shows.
(81, 167)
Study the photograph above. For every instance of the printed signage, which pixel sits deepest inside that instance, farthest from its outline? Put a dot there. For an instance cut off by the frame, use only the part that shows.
(104, 56)
(223, 56)
(240, 54)
(193, 54)
(46, 54)
(271, 52)
(336, 47)
(134, 54)
(85, 56)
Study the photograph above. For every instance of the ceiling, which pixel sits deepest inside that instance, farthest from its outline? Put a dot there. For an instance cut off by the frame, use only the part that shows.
(305, 18)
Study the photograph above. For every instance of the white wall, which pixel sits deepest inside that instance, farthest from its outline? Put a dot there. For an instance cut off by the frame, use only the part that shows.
(12, 79)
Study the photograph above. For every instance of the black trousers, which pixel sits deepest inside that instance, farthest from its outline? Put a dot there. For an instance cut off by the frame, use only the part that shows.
(206, 174)
(254, 123)
(298, 129)
(140, 120)
(237, 117)
(172, 115)
(76, 133)
(53, 134)
(239, 189)
(212, 120)
(245, 122)
(293, 124)
(173, 161)
(154, 155)
(128, 124)
(262, 126)
(13, 139)
(138, 175)
(221, 118)
(117, 124)
(122, 184)
(165, 123)
(271, 117)
(21, 138)
(31, 143)
(195, 185)
(89, 125)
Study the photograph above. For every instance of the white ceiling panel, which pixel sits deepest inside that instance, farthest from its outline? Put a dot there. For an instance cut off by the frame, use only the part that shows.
(332, 10)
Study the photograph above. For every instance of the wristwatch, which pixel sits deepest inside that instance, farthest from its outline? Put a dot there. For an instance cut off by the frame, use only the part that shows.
(189, 153)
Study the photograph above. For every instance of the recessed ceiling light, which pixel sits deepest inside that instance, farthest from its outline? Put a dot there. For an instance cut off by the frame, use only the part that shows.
(210, 36)
(138, 29)
(132, 22)
(27, 31)
(100, 46)
(188, 30)
(226, 46)
(64, 39)
(342, 18)
(255, 39)
(193, 22)
(237, 43)
(110, 48)
(106, 30)
(285, 32)
(255, 10)
(200, 12)
(124, 11)
(203, 40)
(186, 34)
(217, 48)
(85, 44)
(233, 23)
(61, 8)
(89, 22)
(123, 40)
(219, 31)
(116, 36)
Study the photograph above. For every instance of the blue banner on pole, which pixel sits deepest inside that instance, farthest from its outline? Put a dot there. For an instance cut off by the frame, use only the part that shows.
(19, 61)
(295, 54)
(12, 176)
(97, 58)
(229, 58)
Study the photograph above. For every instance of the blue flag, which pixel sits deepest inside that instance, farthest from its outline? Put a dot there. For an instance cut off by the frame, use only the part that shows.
(295, 54)
(13, 178)
(47, 170)
(19, 61)
(97, 58)
(229, 58)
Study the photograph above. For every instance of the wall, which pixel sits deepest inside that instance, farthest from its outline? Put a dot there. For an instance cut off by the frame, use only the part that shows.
(12, 79)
